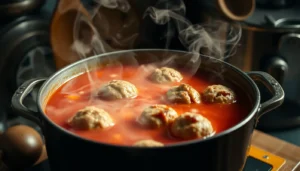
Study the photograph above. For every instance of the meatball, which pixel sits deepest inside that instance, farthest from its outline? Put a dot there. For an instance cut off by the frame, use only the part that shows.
(218, 94)
(183, 93)
(117, 89)
(157, 115)
(165, 75)
(148, 143)
(191, 125)
(91, 118)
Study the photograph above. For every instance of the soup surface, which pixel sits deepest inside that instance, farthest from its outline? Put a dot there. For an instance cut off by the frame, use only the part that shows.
(81, 91)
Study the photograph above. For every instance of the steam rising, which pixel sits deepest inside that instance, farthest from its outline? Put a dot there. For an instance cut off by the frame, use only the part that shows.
(198, 39)
(122, 5)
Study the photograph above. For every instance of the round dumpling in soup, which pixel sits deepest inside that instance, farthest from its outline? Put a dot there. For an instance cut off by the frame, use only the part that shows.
(218, 94)
(90, 118)
(184, 94)
(165, 75)
(148, 143)
(190, 126)
(117, 89)
(156, 116)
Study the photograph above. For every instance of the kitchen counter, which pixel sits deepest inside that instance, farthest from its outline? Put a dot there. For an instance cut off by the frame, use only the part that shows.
(278, 147)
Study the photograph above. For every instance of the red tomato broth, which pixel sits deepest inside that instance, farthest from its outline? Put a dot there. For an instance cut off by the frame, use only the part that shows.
(126, 131)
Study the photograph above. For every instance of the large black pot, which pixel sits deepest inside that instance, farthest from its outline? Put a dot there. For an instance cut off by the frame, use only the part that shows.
(226, 151)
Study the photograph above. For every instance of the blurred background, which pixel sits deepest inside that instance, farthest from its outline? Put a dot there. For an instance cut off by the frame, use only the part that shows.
(35, 37)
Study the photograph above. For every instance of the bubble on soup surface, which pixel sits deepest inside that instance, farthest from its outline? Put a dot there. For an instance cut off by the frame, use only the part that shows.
(91, 118)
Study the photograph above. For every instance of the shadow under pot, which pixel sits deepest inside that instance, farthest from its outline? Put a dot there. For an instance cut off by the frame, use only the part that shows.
(226, 150)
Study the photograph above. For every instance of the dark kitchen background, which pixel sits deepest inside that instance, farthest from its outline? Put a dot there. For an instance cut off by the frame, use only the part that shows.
(26, 53)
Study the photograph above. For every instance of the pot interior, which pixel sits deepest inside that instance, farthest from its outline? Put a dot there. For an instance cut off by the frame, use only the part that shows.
(192, 62)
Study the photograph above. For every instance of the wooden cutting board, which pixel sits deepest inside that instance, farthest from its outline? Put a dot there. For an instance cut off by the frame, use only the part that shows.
(290, 152)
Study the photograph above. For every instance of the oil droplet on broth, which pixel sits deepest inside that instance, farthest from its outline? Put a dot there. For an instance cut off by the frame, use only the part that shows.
(73, 97)
(113, 75)
(194, 111)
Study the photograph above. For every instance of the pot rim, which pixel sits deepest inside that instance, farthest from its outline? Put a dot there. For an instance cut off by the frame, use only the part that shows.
(251, 114)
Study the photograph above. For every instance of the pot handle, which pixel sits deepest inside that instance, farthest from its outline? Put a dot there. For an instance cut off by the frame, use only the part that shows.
(18, 97)
(273, 86)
